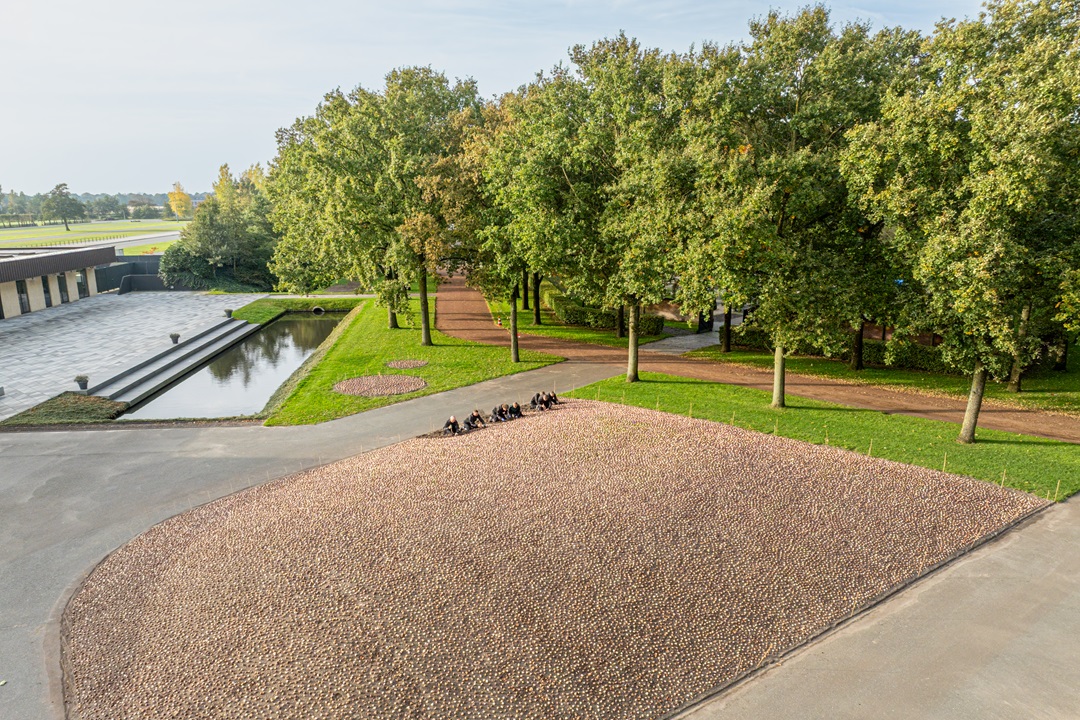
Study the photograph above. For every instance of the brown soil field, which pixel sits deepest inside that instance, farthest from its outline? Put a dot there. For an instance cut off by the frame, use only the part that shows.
(594, 561)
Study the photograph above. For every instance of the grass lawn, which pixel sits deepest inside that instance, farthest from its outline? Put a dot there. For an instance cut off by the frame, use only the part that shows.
(69, 408)
(363, 347)
(1032, 464)
(148, 249)
(110, 230)
(264, 310)
(1043, 390)
(553, 327)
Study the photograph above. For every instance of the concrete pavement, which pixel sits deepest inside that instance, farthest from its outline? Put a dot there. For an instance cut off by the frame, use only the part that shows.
(67, 499)
(995, 635)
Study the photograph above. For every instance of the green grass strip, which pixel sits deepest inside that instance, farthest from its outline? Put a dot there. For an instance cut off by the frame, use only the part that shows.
(1047, 468)
(1042, 390)
(265, 310)
(551, 326)
(366, 345)
(68, 408)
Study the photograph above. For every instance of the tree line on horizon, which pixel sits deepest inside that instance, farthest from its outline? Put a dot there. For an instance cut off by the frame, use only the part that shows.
(824, 176)
(60, 204)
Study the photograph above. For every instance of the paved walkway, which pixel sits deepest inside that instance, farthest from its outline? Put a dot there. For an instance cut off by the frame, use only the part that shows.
(42, 352)
(464, 314)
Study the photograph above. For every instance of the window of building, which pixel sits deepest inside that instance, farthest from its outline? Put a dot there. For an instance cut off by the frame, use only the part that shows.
(24, 297)
(80, 283)
(61, 281)
(47, 289)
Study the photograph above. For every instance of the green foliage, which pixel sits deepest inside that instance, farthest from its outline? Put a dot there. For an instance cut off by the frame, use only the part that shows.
(229, 243)
(551, 326)
(60, 204)
(975, 165)
(366, 345)
(349, 185)
(1030, 464)
(571, 312)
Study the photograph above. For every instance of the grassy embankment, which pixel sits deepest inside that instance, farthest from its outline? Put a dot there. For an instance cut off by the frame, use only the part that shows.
(551, 326)
(1042, 390)
(362, 345)
(48, 235)
(68, 408)
(1047, 468)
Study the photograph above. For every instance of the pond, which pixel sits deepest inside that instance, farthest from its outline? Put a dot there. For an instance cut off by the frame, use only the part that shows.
(242, 379)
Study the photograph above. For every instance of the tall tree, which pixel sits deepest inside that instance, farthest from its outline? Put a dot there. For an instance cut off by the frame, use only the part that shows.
(345, 185)
(179, 202)
(60, 204)
(975, 166)
(776, 227)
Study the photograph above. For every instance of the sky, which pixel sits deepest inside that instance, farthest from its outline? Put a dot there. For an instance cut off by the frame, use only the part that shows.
(127, 96)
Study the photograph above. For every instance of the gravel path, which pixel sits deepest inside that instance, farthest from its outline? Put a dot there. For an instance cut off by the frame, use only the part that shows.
(595, 561)
(380, 385)
(462, 312)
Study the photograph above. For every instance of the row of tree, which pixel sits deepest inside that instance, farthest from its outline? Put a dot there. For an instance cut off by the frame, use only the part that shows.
(827, 177)
(44, 206)
(229, 242)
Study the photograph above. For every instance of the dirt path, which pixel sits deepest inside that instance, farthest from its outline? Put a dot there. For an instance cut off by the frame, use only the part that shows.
(462, 312)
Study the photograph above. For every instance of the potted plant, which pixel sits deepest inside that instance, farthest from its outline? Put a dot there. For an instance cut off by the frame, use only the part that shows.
(175, 337)
(82, 380)
(228, 312)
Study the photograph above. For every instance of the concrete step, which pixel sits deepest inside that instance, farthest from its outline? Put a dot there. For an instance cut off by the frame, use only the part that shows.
(139, 365)
(151, 375)
(136, 392)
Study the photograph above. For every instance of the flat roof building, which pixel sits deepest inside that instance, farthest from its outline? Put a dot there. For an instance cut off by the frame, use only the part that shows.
(38, 278)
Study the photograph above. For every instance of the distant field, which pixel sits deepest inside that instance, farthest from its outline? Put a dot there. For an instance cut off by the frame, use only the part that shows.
(154, 248)
(112, 230)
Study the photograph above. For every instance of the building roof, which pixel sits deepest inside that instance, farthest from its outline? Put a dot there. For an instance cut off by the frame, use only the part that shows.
(20, 264)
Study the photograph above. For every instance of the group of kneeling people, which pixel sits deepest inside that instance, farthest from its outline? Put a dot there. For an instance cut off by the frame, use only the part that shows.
(500, 413)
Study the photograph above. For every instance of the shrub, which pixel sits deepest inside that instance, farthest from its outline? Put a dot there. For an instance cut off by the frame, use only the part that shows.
(573, 313)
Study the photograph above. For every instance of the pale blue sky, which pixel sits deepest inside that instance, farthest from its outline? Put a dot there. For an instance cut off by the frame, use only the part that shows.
(127, 96)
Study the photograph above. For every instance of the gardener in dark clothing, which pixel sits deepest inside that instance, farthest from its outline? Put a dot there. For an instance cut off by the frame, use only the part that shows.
(514, 412)
(554, 398)
(474, 421)
(451, 426)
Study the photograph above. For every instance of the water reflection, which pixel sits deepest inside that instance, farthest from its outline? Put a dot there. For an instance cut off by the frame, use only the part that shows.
(241, 380)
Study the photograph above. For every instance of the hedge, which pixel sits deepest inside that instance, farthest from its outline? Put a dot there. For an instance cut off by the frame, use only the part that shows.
(905, 354)
(574, 313)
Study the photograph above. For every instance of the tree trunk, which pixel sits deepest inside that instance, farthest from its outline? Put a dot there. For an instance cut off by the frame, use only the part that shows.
(1017, 368)
(1062, 362)
(66, 228)
(425, 319)
(620, 318)
(971, 415)
(514, 355)
(778, 378)
(632, 347)
(524, 289)
(536, 298)
(857, 348)
(392, 322)
(725, 336)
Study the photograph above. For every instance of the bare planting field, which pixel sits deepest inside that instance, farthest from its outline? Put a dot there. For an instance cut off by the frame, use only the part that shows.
(595, 561)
